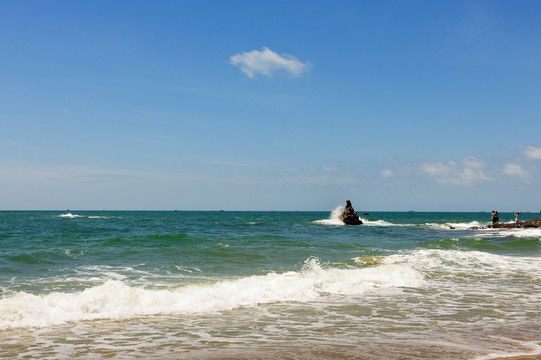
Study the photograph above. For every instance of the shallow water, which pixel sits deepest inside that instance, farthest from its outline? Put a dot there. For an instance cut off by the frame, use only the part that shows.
(267, 285)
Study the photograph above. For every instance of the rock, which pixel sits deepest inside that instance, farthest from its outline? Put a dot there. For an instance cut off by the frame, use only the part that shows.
(532, 223)
(535, 223)
(349, 216)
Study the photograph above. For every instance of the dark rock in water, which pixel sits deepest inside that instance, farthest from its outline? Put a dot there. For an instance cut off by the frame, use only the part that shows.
(349, 216)
(535, 223)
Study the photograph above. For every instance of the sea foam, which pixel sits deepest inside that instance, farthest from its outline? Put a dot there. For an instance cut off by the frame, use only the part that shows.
(69, 216)
(463, 262)
(116, 299)
(334, 219)
(457, 226)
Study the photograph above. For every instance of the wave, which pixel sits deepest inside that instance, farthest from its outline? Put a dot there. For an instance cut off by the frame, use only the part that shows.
(334, 219)
(76, 216)
(483, 229)
(480, 228)
(69, 216)
(534, 346)
(381, 223)
(462, 262)
(517, 232)
(456, 226)
(116, 299)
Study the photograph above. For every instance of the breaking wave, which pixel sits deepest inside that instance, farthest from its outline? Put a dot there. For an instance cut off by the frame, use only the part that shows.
(115, 299)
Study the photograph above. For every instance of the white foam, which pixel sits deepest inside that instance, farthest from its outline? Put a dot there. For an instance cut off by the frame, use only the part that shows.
(380, 223)
(535, 347)
(516, 232)
(334, 218)
(475, 262)
(69, 216)
(458, 226)
(115, 299)
(75, 216)
(483, 231)
(481, 227)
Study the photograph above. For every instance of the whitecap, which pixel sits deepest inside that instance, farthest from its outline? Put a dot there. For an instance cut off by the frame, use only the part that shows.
(115, 299)
(380, 223)
(474, 262)
(456, 226)
(515, 232)
(334, 218)
(69, 216)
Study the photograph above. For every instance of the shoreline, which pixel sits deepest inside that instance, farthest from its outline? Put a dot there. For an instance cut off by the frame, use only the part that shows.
(523, 356)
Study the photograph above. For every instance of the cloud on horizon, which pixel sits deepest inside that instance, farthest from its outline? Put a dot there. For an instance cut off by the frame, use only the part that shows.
(266, 62)
(63, 174)
(466, 172)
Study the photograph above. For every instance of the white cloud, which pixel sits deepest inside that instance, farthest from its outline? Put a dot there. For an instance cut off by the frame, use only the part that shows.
(532, 153)
(266, 62)
(329, 168)
(387, 173)
(233, 163)
(63, 174)
(473, 163)
(465, 172)
(515, 170)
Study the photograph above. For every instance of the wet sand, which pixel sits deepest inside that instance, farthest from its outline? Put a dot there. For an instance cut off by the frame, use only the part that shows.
(521, 357)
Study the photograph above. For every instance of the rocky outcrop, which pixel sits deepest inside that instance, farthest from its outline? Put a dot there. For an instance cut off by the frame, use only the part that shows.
(535, 223)
(349, 216)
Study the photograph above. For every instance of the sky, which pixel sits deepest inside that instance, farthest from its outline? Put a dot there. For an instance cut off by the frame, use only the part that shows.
(270, 105)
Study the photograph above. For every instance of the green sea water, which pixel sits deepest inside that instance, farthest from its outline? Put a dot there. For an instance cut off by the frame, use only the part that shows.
(224, 284)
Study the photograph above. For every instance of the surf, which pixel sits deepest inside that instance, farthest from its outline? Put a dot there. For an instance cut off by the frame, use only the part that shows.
(334, 219)
(117, 299)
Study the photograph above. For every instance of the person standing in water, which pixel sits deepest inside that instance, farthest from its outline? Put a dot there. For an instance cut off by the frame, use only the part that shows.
(517, 214)
(495, 218)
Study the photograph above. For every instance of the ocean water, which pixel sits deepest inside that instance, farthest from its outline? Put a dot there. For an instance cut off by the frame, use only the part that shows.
(267, 285)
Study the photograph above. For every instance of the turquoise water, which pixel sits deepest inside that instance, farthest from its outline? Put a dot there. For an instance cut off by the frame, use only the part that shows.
(267, 285)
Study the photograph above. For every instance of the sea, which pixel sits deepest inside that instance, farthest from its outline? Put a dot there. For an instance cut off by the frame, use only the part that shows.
(267, 285)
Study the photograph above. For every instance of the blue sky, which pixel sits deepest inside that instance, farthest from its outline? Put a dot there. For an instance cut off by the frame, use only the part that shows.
(275, 105)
